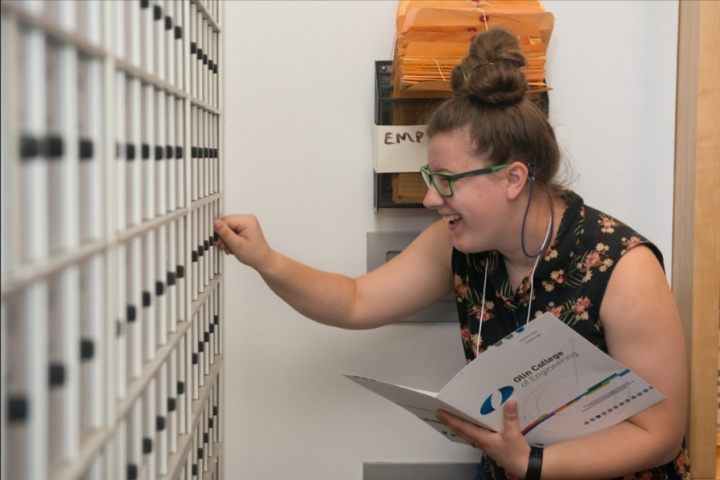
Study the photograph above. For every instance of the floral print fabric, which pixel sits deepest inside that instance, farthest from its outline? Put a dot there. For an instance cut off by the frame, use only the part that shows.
(570, 282)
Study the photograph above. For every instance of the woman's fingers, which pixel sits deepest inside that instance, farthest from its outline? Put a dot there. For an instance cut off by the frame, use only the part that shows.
(508, 447)
(226, 234)
(472, 434)
(220, 244)
(512, 424)
(239, 223)
(241, 236)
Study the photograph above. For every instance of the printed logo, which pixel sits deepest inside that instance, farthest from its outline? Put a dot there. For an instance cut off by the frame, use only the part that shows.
(487, 406)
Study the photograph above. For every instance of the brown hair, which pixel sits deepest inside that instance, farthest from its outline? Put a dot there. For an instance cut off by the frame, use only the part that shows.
(490, 101)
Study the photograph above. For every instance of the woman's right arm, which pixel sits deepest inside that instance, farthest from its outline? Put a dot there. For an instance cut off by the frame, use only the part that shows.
(418, 277)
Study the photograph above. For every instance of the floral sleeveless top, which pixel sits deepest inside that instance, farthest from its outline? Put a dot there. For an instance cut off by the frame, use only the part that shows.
(569, 281)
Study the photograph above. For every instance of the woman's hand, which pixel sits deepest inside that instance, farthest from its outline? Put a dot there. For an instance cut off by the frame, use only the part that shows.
(508, 447)
(241, 235)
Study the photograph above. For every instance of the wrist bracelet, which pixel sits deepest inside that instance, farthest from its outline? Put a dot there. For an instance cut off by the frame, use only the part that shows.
(534, 463)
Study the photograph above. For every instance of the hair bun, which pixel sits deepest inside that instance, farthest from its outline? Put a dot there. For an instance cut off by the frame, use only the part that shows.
(492, 70)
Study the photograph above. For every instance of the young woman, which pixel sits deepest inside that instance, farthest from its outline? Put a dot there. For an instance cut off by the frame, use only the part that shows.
(512, 244)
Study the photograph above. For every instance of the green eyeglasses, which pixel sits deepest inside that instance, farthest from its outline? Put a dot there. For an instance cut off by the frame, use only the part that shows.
(443, 182)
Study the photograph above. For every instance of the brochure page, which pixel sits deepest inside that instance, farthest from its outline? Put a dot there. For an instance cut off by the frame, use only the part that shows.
(565, 387)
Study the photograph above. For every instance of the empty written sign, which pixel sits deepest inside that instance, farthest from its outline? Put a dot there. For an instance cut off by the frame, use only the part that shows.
(399, 148)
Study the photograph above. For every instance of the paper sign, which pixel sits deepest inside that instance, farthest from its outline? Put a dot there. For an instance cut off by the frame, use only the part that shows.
(565, 387)
(399, 148)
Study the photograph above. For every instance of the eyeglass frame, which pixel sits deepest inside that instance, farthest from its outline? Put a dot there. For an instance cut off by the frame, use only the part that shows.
(451, 177)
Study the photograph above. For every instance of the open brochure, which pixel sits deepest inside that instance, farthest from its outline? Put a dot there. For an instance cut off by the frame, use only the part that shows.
(565, 387)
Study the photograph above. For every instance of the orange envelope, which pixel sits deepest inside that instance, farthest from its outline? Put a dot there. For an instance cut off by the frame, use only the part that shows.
(433, 37)
(447, 20)
(404, 6)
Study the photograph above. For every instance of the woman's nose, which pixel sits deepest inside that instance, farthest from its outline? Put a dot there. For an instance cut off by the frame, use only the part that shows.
(433, 199)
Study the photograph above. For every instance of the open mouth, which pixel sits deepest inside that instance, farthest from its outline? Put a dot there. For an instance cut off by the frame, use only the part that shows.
(452, 219)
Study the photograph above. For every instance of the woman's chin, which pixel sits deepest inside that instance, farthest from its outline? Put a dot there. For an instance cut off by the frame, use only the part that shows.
(462, 245)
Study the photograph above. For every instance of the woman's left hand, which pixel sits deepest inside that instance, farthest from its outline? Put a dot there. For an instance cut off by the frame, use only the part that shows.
(508, 447)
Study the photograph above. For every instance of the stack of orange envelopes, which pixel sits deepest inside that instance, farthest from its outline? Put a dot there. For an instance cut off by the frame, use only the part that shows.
(434, 36)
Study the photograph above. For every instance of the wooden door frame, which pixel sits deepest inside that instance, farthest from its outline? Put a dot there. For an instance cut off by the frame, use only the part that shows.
(696, 228)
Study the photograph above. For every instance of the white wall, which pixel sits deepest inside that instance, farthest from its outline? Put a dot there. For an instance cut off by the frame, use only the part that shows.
(299, 105)
(614, 69)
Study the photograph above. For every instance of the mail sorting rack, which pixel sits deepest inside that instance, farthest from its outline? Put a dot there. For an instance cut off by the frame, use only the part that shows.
(173, 425)
(111, 288)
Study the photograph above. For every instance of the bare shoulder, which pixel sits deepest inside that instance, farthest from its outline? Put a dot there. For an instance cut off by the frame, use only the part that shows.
(638, 302)
(644, 332)
(429, 255)
(435, 242)
(418, 277)
(637, 287)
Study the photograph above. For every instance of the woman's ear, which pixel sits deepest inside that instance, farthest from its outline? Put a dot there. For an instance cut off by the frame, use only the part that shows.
(517, 175)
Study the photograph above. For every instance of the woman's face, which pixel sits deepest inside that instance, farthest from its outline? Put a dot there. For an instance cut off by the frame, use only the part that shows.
(475, 214)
